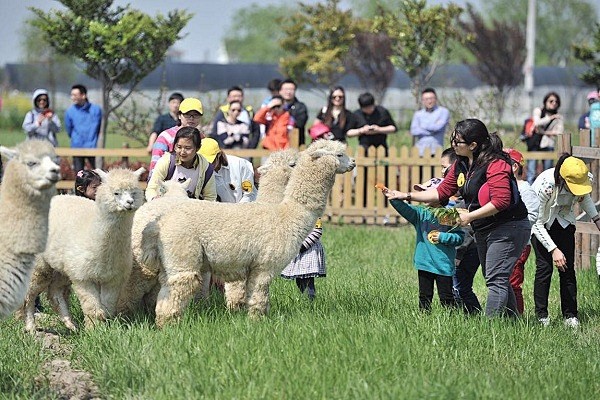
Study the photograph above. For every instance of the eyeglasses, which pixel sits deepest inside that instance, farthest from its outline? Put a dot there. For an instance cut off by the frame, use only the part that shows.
(552, 101)
(191, 115)
(456, 142)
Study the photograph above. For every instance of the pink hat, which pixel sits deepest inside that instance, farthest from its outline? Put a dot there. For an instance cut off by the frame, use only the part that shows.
(593, 95)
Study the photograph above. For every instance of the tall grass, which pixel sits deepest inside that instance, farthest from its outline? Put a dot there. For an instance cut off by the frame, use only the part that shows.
(363, 337)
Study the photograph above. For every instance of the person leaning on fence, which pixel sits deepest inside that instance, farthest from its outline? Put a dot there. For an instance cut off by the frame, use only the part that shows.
(279, 124)
(82, 123)
(378, 123)
(532, 202)
(435, 248)
(185, 164)
(341, 121)
(558, 189)
(483, 174)
(166, 121)
(190, 115)
(41, 122)
(548, 123)
(232, 133)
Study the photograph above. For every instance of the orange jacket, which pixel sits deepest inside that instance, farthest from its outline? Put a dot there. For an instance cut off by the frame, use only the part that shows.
(277, 137)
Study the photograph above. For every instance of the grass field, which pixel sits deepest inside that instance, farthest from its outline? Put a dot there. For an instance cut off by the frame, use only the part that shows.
(362, 338)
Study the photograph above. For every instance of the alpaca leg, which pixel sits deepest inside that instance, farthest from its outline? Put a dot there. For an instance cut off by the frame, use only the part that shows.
(89, 297)
(41, 279)
(235, 294)
(149, 300)
(175, 294)
(258, 294)
(109, 296)
(205, 290)
(58, 295)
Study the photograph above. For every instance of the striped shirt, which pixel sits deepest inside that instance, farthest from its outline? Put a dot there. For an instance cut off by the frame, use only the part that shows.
(163, 144)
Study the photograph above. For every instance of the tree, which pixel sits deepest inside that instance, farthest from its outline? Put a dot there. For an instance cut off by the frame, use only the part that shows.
(590, 55)
(118, 47)
(419, 37)
(317, 39)
(559, 23)
(369, 59)
(501, 67)
(254, 34)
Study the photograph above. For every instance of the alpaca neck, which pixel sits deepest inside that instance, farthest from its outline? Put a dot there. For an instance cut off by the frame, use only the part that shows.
(310, 185)
(272, 188)
(112, 226)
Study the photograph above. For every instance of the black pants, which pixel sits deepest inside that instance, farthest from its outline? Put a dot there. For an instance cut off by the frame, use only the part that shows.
(307, 283)
(79, 163)
(444, 288)
(564, 238)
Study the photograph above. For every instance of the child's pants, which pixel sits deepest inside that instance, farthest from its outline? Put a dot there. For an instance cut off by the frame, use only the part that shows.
(444, 288)
(517, 276)
(307, 283)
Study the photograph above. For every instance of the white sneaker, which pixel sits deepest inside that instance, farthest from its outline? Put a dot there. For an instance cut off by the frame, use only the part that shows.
(545, 321)
(572, 322)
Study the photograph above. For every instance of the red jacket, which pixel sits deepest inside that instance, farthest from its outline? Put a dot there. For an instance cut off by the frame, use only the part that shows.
(277, 129)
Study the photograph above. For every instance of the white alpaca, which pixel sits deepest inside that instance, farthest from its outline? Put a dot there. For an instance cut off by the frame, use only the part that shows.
(250, 240)
(142, 287)
(25, 195)
(89, 245)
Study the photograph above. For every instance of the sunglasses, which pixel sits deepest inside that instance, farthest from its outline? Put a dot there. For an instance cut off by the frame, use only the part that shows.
(235, 109)
(337, 97)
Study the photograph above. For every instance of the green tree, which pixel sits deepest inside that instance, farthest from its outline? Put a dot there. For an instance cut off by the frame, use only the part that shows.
(254, 34)
(419, 37)
(498, 66)
(118, 47)
(559, 24)
(589, 53)
(317, 38)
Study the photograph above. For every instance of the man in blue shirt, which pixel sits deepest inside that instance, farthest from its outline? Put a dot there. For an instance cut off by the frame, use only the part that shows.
(82, 123)
(429, 124)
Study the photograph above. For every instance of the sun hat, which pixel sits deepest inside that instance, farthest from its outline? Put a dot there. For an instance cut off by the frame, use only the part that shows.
(430, 184)
(190, 104)
(209, 148)
(575, 173)
(318, 129)
(516, 156)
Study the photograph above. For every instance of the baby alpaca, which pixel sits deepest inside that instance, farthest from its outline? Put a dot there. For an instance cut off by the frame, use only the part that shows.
(25, 195)
(89, 245)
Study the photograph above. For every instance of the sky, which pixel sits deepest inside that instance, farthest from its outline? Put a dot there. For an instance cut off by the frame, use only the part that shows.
(204, 33)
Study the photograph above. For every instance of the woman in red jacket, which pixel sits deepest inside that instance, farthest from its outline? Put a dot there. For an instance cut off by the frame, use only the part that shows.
(279, 124)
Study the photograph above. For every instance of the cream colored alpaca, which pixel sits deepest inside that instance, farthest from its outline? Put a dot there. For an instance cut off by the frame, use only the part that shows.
(142, 287)
(25, 195)
(89, 245)
(250, 240)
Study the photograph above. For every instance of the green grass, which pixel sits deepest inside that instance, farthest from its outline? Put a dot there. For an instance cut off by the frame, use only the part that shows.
(363, 337)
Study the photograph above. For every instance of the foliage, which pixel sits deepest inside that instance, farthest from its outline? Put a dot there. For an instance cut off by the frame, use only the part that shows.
(559, 24)
(590, 54)
(445, 215)
(419, 36)
(317, 39)
(254, 34)
(362, 338)
(498, 66)
(118, 47)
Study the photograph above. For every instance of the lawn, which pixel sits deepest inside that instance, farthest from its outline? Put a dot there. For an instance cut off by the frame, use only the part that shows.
(362, 338)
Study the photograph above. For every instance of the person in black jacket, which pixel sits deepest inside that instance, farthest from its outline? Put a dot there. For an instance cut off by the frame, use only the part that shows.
(296, 108)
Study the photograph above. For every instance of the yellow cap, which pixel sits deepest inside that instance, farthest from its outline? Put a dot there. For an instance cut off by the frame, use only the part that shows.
(575, 173)
(209, 148)
(190, 104)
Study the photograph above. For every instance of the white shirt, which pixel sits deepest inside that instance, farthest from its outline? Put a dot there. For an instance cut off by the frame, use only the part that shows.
(235, 182)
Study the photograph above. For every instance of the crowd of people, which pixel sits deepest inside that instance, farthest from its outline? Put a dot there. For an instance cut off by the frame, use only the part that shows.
(501, 216)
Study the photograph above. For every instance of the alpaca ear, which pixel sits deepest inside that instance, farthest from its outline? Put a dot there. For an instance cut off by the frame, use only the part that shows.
(9, 153)
(186, 184)
(139, 171)
(103, 175)
(318, 154)
(263, 168)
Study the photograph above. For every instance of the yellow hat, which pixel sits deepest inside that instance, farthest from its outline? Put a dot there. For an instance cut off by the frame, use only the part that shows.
(209, 148)
(190, 104)
(575, 173)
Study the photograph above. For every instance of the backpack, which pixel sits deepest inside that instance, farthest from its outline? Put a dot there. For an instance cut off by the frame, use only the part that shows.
(207, 174)
(529, 129)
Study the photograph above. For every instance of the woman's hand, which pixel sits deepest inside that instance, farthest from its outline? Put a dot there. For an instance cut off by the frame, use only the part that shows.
(559, 260)
(464, 217)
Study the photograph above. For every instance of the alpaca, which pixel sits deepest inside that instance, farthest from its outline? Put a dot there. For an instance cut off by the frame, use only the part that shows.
(28, 186)
(252, 241)
(142, 287)
(89, 245)
(274, 176)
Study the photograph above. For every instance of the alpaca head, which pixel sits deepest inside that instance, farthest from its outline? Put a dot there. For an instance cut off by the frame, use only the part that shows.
(120, 190)
(275, 174)
(335, 149)
(279, 159)
(173, 188)
(34, 164)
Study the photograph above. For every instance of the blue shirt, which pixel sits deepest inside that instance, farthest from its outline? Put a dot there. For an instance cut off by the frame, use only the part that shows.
(430, 127)
(435, 258)
(82, 124)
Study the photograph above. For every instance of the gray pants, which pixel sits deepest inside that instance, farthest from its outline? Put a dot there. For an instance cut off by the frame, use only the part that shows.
(499, 249)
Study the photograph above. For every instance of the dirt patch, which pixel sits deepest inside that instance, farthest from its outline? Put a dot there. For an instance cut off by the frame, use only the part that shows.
(60, 377)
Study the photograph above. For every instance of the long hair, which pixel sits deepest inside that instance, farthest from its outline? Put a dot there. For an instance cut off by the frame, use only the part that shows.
(546, 97)
(328, 117)
(558, 180)
(489, 145)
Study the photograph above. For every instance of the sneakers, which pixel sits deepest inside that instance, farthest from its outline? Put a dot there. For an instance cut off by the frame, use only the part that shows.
(572, 322)
(545, 321)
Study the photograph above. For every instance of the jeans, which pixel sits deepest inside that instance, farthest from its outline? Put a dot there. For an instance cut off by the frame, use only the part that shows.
(444, 287)
(79, 163)
(564, 238)
(499, 248)
(463, 281)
